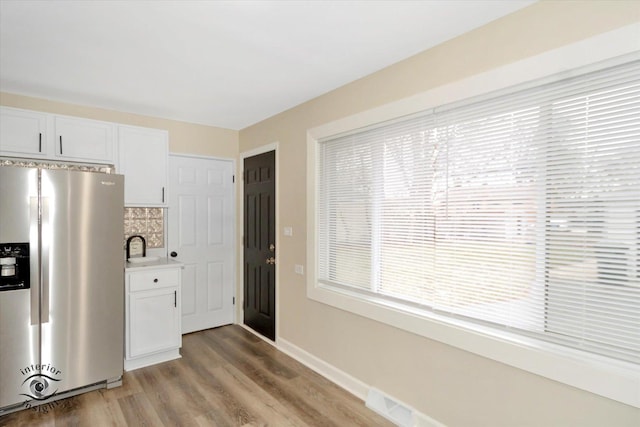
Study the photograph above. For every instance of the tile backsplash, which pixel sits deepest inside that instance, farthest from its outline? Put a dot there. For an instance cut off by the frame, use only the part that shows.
(147, 222)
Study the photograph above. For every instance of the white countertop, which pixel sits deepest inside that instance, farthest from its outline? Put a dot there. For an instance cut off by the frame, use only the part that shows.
(163, 262)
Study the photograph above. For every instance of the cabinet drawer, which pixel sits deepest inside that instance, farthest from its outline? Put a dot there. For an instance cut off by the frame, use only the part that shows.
(145, 280)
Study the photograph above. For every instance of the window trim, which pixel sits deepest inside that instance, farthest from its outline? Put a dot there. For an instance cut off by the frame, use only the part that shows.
(610, 378)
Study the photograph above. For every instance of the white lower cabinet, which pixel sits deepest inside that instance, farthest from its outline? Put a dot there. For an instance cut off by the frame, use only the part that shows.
(153, 331)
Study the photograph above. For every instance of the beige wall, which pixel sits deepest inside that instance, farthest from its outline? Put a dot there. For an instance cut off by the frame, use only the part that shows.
(450, 385)
(184, 137)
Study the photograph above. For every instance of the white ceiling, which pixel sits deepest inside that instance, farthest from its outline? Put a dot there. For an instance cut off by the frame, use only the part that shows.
(221, 63)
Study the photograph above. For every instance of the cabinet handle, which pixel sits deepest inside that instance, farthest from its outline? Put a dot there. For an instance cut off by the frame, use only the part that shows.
(175, 298)
(40, 142)
(162, 194)
(60, 144)
(155, 280)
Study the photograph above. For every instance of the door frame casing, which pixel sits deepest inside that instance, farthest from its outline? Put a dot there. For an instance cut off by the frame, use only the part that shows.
(234, 225)
(240, 182)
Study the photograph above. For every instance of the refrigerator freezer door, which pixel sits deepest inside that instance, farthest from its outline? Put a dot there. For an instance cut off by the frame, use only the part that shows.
(19, 328)
(83, 276)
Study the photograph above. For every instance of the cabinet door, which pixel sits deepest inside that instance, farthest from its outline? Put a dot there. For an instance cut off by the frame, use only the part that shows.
(83, 139)
(143, 155)
(22, 133)
(154, 321)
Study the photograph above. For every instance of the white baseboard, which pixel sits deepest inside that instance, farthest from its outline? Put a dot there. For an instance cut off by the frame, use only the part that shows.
(339, 377)
(142, 362)
(330, 372)
(346, 381)
(351, 384)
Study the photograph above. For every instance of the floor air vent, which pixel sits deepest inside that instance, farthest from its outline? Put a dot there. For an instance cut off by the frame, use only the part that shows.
(390, 408)
(397, 412)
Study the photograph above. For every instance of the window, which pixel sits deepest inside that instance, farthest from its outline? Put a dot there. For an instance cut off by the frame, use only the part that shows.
(520, 212)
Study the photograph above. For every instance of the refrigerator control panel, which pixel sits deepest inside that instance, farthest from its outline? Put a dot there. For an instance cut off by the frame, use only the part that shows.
(14, 266)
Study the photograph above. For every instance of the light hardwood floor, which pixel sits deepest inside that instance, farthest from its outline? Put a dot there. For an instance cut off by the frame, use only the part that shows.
(226, 377)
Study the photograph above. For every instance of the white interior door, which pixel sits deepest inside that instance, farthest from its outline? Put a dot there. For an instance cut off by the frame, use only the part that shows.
(201, 233)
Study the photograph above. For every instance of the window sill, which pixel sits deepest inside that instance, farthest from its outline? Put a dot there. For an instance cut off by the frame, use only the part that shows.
(606, 377)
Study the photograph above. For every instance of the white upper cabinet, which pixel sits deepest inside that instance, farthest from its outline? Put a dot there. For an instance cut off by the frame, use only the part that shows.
(143, 156)
(32, 134)
(23, 133)
(84, 140)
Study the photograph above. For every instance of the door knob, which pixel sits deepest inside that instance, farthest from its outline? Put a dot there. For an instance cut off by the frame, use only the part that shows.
(173, 254)
(271, 260)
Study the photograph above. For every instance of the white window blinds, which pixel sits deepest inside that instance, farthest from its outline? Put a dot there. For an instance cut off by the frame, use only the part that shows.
(521, 211)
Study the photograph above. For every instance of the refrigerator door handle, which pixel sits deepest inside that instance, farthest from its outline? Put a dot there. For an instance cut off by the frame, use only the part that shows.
(45, 240)
(34, 241)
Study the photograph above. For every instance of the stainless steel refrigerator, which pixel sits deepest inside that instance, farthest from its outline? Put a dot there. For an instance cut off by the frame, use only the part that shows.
(61, 284)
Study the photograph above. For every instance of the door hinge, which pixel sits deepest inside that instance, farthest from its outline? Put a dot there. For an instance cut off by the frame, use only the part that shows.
(234, 300)
(233, 178)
